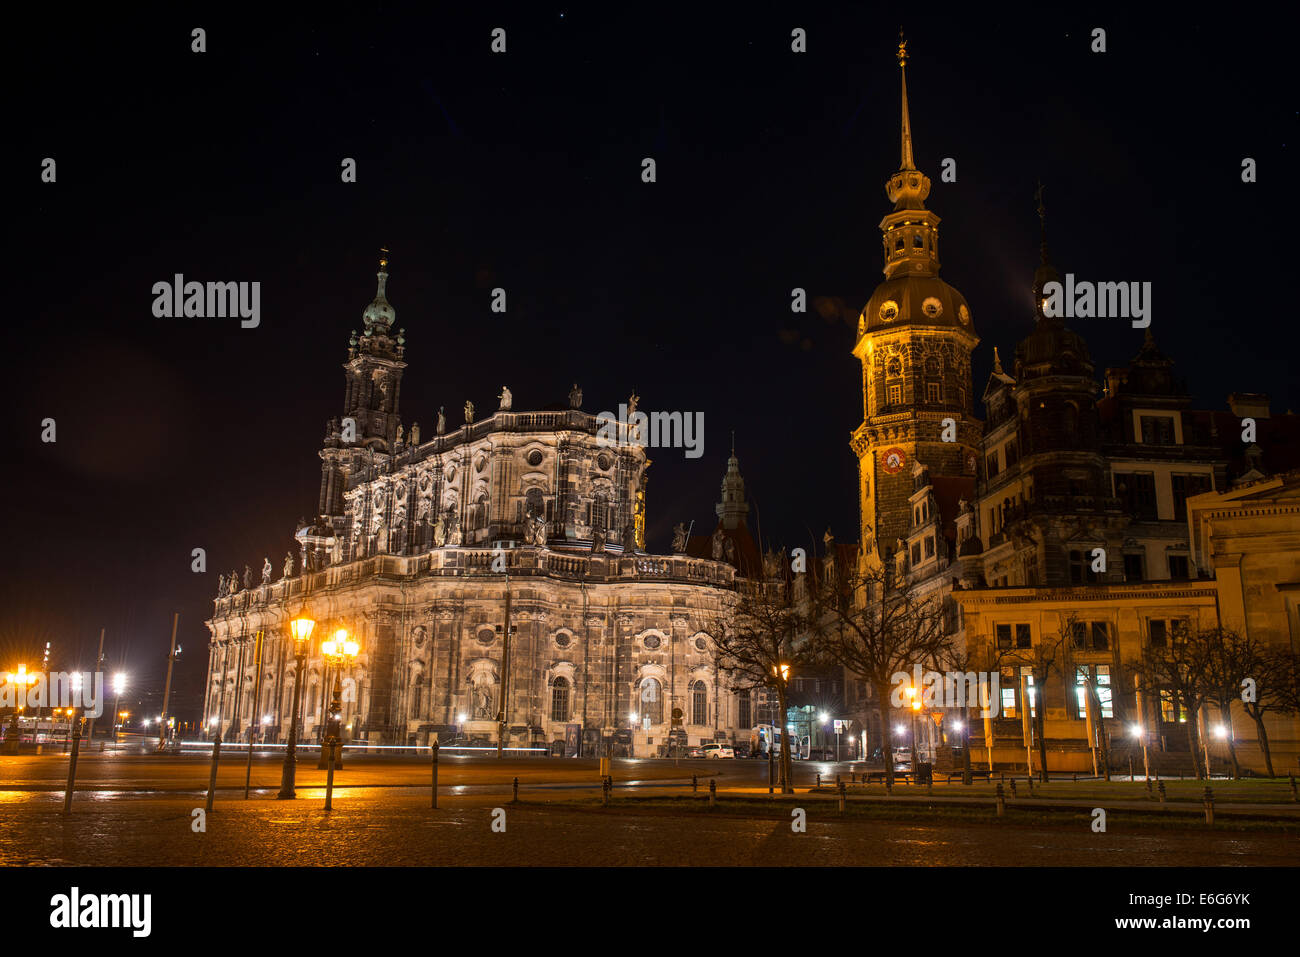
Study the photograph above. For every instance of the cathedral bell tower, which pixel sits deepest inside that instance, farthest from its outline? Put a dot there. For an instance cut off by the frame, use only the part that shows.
(914, 341)
(371, 396)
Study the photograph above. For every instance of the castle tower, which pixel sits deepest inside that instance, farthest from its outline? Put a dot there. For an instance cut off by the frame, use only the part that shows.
(915, 339)
(733, 508)
(371, 396)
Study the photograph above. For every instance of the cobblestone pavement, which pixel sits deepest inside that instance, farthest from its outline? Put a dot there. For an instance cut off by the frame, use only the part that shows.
(395, 826)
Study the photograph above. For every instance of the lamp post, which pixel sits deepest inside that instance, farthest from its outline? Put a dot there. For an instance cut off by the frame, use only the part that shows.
(339, 652)
(301, 629)
(119, 685)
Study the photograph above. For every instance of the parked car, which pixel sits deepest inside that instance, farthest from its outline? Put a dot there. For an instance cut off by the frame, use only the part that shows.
(719, 751)
(695, 751)
(821, 754)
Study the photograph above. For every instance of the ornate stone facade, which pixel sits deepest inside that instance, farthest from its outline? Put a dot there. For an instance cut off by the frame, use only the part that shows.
(414, 552)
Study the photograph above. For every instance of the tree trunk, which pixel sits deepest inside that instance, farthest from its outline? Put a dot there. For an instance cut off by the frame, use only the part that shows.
(1262, 736)
(1193, 740)
(886, 731)
(1225, 715)
(1040, 684)
(787, 785)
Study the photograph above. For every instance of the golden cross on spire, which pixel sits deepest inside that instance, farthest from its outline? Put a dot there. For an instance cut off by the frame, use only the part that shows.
(383, 257)
(902, 48)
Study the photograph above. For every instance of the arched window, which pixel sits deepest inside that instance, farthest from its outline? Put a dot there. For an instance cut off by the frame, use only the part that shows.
(744, 716)
(560, 699)
(1071, 418)
(600, 511)
(533, 504)
(652, 701)
(699, 703)
(417, 695)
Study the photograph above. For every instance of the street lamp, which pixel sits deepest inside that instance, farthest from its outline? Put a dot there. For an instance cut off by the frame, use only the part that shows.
(22, 680)
(119, 685)
(339, 652)
(301, 629)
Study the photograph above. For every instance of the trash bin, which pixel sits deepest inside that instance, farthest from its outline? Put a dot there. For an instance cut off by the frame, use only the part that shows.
(924, 772)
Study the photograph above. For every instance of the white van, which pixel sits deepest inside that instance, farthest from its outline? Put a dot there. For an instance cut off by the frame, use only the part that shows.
(719, 751)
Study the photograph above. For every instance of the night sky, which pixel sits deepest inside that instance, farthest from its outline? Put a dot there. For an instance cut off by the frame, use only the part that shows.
(522, 171)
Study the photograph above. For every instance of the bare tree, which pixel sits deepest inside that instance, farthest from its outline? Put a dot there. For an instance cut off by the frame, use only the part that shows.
(1043, 660)
(878, 625)
(1276, 683)
(1183, 669)
(1233, 658)
(761, 645)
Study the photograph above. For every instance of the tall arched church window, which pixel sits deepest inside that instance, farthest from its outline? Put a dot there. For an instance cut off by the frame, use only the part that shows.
(699, 703)
(560, 699)
(652, 701)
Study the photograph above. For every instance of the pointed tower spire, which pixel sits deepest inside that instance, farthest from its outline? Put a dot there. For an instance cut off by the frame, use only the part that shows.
(997, 362)
(1045, 272)
(907, 162)
(733, 508)
(1042, 225)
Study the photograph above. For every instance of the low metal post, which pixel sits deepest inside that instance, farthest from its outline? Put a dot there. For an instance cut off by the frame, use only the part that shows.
(695, 783)
(1002, 801)
(515, 799)
(1013, 788)
(841, 786)
(1160, 786)
(1295, 796)
(329, 776)
(1208, 800)
(434, 750)
(212, 775)
(819, 779)
(1030, 781)
(713, 792)
(72, 772)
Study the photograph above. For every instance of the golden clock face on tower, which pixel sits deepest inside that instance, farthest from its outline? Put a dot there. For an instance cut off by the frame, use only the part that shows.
(893, 460)
(963, 314)
(932, 307)
(888, 310)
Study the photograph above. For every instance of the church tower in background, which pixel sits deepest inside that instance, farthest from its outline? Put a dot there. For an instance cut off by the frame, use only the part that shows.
(915, 338)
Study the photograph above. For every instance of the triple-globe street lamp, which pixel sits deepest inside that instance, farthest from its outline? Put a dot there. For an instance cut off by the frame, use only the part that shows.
(339, 652)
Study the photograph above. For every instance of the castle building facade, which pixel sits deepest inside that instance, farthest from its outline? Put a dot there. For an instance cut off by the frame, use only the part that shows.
(427, 549)
(1061, 519)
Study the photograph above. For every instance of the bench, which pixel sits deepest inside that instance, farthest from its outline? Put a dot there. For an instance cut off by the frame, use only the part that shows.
(905, 776)
(973, 773)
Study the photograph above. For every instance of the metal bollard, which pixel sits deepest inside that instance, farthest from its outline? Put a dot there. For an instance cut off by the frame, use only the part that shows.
(1294, 795)
(695, 783)
(819, 779)
(604, 791)
(1002, 801)
(434, 749)
(1208, 800)
(1148, 788)
(515, 799)
(841, 786)
(72, 772)
(212, 777)
(838, 782)
(1030, 781)
(853, 776)
(329, 776)
(1160, 786)
(1013, 788)
(713, 793)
